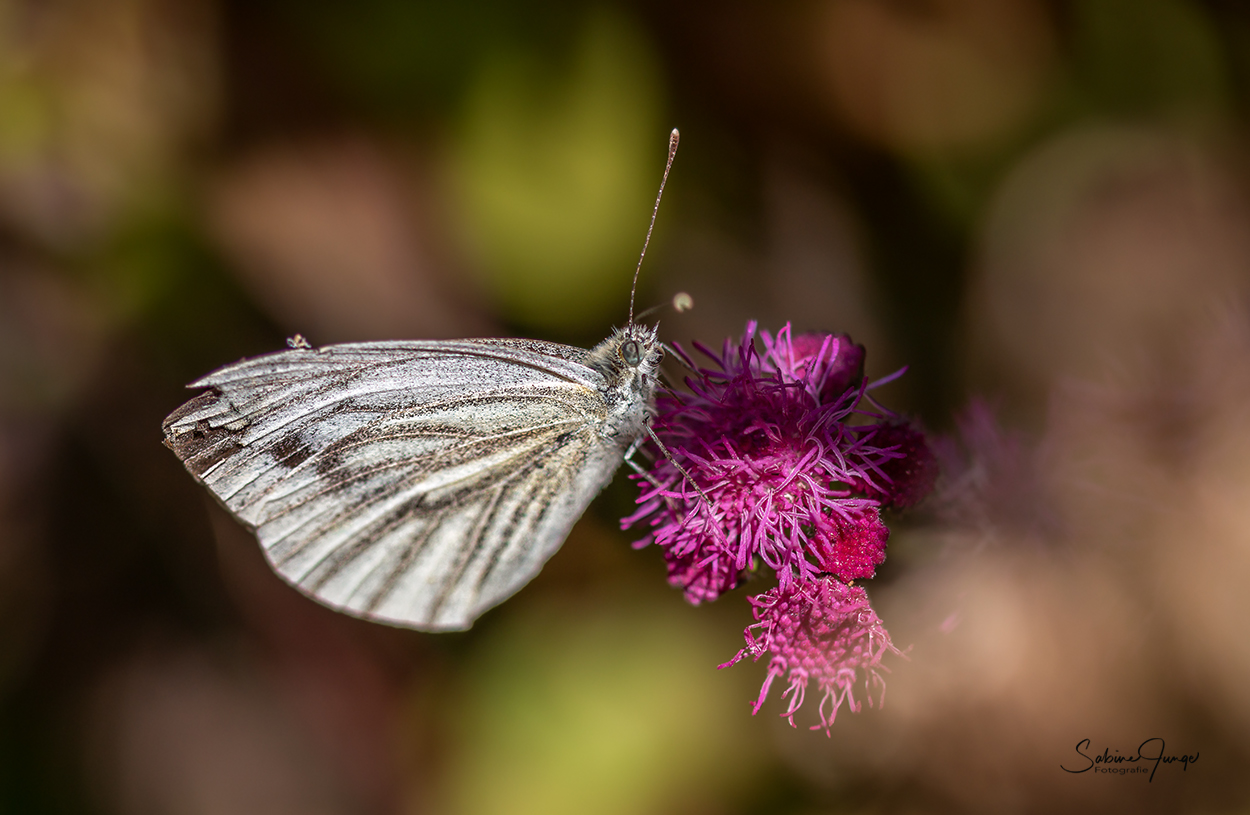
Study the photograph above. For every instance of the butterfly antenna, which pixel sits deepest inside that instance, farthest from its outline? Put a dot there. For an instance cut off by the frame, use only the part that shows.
(673, 138)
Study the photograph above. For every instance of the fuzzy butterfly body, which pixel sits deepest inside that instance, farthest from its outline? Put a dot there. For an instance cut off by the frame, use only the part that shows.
(417, 483)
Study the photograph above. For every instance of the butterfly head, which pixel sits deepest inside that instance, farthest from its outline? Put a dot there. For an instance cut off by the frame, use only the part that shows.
(638, 347)
(629, 359)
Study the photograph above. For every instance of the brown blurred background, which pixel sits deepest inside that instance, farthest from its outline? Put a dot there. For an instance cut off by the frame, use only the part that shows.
(1038, 202)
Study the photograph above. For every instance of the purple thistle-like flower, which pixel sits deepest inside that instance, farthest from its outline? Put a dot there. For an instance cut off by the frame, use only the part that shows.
(820, 631)
(793, 462)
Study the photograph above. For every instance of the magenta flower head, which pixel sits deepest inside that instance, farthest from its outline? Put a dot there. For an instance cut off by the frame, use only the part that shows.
(821, 631)
(789, 463)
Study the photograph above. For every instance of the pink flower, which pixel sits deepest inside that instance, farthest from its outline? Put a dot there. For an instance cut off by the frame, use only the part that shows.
(911, 471)
(826, 365)
(854, 548)
(793, 462)
(820, 631)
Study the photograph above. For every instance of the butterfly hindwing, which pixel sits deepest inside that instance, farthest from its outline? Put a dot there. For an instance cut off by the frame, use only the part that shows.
(417, 483)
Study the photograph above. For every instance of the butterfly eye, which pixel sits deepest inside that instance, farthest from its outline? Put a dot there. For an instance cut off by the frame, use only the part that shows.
(631, 353)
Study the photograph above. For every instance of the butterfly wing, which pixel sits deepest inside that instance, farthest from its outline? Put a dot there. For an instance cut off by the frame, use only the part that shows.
(417, 483)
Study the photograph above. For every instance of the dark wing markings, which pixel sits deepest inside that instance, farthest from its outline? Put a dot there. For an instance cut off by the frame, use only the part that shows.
(438, 456)
(551, 486)
(334, 449)
(474, 481)
(342, 557)
(392, 580)
(471, 549)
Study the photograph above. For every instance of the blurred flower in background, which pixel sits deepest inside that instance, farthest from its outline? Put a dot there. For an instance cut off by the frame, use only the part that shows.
(1042, 205)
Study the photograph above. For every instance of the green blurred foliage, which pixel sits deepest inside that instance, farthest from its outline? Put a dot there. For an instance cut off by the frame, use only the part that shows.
(567, 712)
(24, 118)
(160, 279)
(1147, 57)
(553, 139)
(407, 59)
(25, 110)
(554, 164)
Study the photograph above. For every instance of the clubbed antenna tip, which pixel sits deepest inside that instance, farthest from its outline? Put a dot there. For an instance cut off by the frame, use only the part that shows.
(673, 139)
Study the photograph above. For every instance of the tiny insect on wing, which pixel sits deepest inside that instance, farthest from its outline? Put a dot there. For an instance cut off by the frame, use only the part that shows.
(417, 483)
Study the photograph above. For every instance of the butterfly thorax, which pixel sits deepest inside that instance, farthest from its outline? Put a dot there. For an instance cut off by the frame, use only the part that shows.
(629, 361)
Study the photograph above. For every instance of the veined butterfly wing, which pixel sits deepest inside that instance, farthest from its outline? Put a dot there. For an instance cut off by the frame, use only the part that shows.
(417, 483)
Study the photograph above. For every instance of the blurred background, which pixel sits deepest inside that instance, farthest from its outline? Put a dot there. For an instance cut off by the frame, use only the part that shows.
(1038, 204)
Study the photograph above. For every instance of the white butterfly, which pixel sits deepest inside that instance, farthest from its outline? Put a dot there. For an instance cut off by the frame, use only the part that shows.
(418, 483)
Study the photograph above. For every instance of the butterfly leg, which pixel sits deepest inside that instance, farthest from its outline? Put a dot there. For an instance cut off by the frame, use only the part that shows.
(629, 459)
(652, 480)
(686, 475)
(633, 448)
(648, 476)
(716, 531)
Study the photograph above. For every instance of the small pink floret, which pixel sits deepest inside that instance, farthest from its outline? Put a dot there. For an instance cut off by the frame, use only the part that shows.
(821, 632)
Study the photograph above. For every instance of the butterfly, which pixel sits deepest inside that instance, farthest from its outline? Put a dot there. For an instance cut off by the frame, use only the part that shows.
(419, 483)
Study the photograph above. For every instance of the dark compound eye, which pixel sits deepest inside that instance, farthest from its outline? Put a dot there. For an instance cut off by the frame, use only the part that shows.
(631, 353)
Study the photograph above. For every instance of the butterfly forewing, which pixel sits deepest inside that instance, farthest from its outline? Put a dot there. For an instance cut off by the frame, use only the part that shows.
(419, 483)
